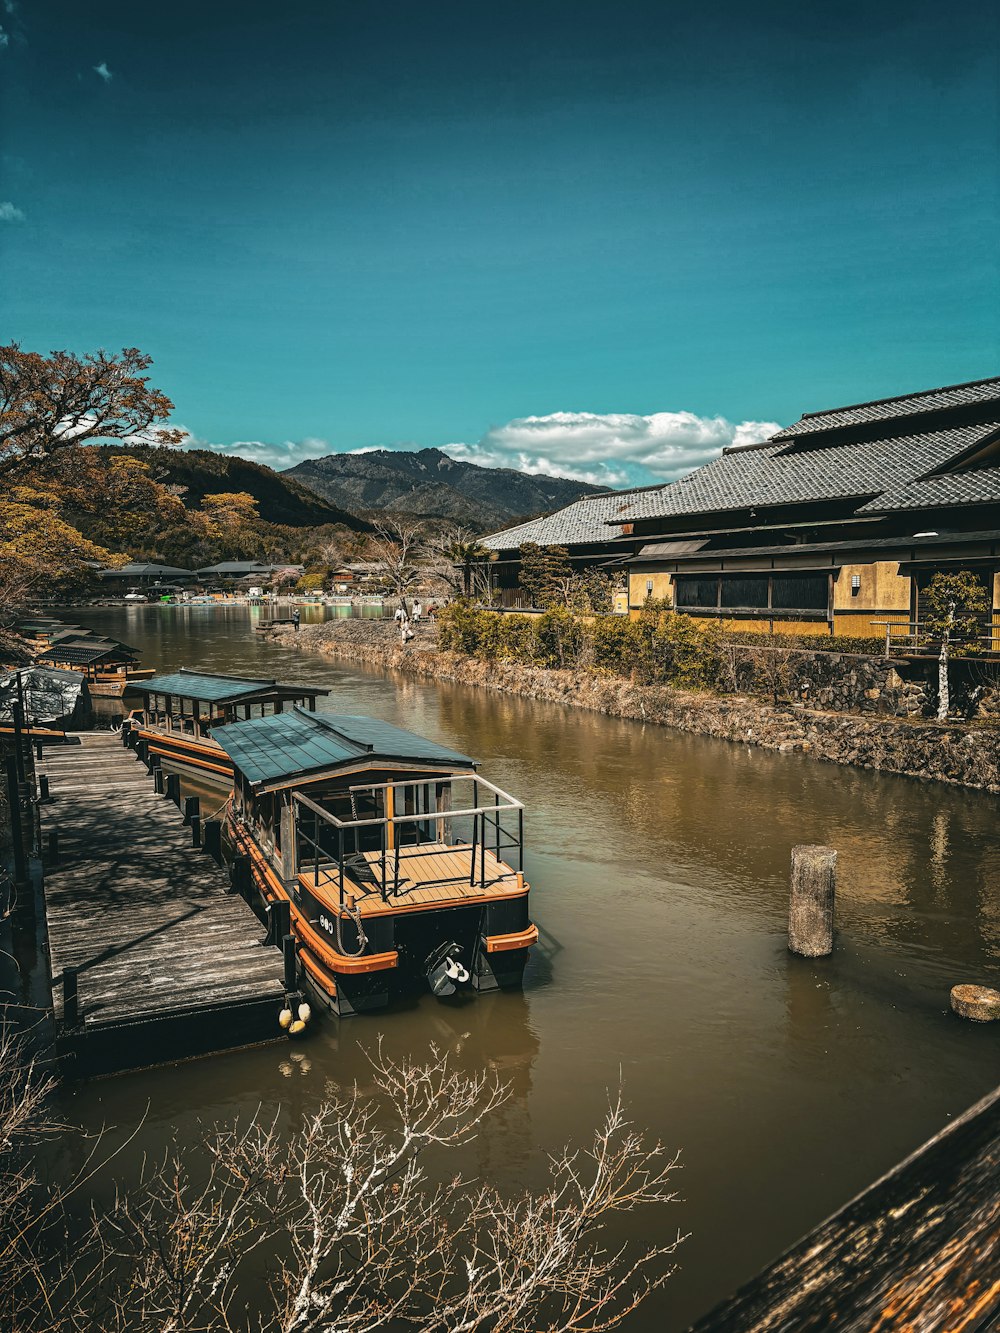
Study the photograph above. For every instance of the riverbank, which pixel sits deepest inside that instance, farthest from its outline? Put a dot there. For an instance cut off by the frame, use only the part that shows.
(962, 753)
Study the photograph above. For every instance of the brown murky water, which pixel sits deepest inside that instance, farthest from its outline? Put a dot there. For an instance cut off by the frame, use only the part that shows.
(659, 867)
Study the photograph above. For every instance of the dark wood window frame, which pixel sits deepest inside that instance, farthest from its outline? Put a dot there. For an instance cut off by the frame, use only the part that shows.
(767, 610)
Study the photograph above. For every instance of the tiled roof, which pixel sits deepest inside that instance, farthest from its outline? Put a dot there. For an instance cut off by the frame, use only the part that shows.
(270, 749)
(83, 654)
(218, 689)
(583, 521)
(885, 409)
(956, 488)
(768, 475)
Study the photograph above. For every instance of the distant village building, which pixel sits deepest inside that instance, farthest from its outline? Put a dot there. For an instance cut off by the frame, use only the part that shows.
(836, 522)
(243, 569)
(143, 575)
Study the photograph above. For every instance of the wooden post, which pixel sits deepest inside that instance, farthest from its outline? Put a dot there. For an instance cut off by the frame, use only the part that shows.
(174, 788)
(18, 715)
(196, 830)
(390, 815)
(289, 867)
(192, 807)
(53, 856)
(43, 788)
(71, 998)
(240, 876)
(811, 905)
(291, 961)
(158, 780)
(212, 829)
(16, 828)
(279, 921)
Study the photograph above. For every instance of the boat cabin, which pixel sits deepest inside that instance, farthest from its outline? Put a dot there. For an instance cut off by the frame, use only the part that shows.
(96, 657)
(192, 703)
(174, 715)
(397, 859)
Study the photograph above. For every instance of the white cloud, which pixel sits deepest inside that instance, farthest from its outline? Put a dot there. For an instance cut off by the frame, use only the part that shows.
(608, 449)
(102, 71)
(611, 449)
(8, 212)
(278, 456)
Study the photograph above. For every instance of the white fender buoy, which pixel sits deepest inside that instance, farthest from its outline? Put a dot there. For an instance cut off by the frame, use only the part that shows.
(285, 1018)
(297, 1027)
(305, 1013)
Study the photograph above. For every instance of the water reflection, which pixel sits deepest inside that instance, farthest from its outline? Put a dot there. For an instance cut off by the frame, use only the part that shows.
(659, 865)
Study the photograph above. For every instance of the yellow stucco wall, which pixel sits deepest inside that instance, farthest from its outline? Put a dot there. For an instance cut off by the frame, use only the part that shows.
(882, 588)
(764, 625)
(663, 586)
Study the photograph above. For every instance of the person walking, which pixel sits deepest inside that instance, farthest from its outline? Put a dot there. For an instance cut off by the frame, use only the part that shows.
(296, 617)
(418, 611)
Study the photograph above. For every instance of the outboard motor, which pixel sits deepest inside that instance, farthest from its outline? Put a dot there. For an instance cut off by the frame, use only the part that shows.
(444, 969)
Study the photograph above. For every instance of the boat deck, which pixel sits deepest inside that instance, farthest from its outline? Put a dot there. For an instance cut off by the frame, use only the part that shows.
(431, 874)
(170, 961)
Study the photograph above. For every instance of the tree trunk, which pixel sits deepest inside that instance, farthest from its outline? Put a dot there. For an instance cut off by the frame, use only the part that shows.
(944, 691)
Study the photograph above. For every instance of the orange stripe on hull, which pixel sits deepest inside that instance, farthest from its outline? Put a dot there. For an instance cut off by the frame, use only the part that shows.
(522, 939)
(168, 749)
(272, 889)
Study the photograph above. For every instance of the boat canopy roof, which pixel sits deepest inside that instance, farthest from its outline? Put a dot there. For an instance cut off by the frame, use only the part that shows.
(222, 689)
(84, 652)
(272, 749)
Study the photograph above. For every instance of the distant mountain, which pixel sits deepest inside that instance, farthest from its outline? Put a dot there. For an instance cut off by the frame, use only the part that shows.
(428, 484)
(281, 499)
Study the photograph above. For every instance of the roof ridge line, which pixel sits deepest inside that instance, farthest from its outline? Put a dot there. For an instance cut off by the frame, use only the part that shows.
(895, 398)
(325, 720)
(220, 675)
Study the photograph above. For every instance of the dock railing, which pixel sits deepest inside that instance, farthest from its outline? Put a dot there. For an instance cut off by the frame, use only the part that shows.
(330, 848)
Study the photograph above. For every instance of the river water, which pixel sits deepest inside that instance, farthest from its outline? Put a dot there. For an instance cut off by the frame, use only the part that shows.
(659, 866)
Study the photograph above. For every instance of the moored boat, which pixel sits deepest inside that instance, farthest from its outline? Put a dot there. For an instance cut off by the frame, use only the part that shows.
(175, 715)
(107, 664)
(388, 857)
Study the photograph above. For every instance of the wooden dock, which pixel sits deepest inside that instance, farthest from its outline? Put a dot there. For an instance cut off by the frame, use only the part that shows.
(169, 962)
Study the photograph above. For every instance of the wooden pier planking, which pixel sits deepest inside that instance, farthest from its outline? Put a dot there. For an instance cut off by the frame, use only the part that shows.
(170, 962)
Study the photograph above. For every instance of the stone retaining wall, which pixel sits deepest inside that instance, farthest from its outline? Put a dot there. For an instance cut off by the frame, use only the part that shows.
(964, 753)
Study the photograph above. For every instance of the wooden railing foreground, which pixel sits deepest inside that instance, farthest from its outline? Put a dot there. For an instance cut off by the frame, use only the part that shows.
(917, 1252)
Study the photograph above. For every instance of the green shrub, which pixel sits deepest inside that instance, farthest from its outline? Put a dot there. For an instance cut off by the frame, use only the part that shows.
(657, 647)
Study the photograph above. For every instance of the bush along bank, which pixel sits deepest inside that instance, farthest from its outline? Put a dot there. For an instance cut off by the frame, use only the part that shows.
(884, 733)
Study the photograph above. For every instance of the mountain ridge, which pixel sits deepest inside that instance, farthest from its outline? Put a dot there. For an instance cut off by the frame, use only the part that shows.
(428, 483)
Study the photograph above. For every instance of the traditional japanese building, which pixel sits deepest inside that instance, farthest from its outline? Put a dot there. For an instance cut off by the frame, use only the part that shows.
(833, 525)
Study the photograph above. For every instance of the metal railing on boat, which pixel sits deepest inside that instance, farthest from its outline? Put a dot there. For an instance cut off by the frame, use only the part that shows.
(488, 834)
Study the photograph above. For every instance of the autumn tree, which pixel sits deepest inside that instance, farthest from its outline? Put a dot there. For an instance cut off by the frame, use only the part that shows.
(954, 604)
(51, 402)
(232, 518)
(40, 552)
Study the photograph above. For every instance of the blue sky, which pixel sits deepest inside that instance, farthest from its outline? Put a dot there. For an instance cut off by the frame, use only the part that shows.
(598, 239)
